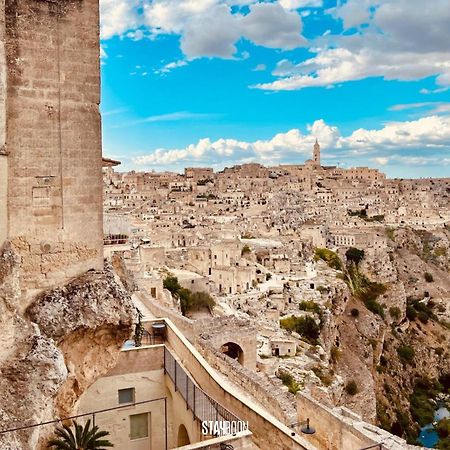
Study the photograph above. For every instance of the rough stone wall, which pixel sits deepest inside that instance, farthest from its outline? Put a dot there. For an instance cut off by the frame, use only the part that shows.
(275, 400)
(50, 355)
(3, 195)
(221, 330)
(53, 135)
(3, 159)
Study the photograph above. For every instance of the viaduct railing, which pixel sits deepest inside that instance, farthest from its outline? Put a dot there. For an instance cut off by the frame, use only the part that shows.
(204, 408)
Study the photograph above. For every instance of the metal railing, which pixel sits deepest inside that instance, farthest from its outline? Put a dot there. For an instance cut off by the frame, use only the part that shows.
(221, 446)
(89, 415)
(204, 408)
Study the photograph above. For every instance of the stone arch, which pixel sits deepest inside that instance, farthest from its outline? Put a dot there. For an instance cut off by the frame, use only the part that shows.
(234, 351)
(183, 436)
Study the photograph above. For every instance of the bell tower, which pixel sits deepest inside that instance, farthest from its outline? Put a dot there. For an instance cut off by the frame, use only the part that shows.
(316, 153)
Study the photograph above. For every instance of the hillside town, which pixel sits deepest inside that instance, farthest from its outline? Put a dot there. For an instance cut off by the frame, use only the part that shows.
(283, 260)
(299, 306)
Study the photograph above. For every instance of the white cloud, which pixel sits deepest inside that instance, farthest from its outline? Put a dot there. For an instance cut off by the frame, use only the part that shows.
(169, 117)
(171, 66)
(354, 12)
(429, 134)
(435, 107)
(332, 66)
(259, 68)
(380, 160)
(212, 33)
(426, 132)
(118, 17)
(113, 112)
(207, 27)
(270, 25)
(293, 142)
(404, 40)
(296, 4)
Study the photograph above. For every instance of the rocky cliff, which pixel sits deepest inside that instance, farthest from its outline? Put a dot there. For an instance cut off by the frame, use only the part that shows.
(54, 346)
(402, 340)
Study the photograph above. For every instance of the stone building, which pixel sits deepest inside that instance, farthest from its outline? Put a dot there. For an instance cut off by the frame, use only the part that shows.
(50, 137)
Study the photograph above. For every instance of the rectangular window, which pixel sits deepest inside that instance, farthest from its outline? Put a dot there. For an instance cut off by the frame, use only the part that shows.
(126, 396)
(139, 426)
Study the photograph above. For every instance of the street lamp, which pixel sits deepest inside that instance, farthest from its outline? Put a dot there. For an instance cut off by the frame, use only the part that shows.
(306, 429)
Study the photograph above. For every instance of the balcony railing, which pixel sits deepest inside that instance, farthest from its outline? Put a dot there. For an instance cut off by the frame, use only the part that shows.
(204, 408)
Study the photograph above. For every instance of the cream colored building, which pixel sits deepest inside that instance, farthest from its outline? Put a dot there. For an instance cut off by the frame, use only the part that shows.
(158, 397)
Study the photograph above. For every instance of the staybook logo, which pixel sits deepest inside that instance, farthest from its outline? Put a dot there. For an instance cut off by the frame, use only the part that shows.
(223, 427)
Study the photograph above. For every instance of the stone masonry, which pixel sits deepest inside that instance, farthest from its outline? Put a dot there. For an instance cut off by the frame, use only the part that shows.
(50, 137)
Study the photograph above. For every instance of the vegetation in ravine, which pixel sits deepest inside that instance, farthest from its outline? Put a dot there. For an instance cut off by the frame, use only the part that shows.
(330, 257)
(189, 301)
(289, 381)
(305, 326)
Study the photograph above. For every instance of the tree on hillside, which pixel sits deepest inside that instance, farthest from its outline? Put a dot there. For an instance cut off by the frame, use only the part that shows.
(354, 255)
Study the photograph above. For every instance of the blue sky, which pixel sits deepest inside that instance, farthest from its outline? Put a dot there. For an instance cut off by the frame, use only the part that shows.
(222, 82)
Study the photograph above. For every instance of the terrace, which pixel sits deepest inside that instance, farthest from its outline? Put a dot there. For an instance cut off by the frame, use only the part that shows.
(164, 395)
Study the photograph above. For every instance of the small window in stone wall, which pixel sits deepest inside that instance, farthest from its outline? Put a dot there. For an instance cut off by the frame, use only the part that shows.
(41, 196)
(126, 396)
(139, 428)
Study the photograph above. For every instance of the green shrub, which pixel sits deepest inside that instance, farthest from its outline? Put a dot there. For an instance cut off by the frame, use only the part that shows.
(395, 312)
(309, 305)
(406, 353)
(171, 283)
(440, 251)
(361, 213)
(390, 233)
(423, 316)
(443, 428)
(423, 310)
(422, 409)
(354, 255)
(326, 377)
(200, 300)
(354, 312)
(366, 290)
(351, 388)
(245, 250)
(444, 380)
(428, 277)
(188, 301)
(411, 312)
(323, 289)
(305, 326)
(330, 257)
(289, 381)
(185, 300)
(374, 306)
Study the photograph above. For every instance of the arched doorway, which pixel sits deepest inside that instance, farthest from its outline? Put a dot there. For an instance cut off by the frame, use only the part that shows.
(234, 351)
(183, 436)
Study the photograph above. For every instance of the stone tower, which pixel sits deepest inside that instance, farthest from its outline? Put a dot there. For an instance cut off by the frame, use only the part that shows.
(50, 137)
(316, 153)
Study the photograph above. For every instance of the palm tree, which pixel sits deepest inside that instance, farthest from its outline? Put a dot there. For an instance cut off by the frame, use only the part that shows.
(80, 438)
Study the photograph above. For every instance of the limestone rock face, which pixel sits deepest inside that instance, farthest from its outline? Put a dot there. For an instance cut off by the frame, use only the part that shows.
(66, 339)
(369, 344)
